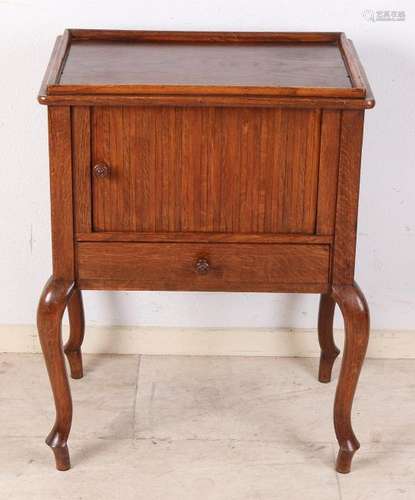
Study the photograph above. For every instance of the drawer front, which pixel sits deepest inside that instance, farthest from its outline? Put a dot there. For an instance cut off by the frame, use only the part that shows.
(210, 267)
(227, 170)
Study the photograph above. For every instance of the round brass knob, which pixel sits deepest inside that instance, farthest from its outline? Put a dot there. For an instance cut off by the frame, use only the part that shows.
(101, 170)
(202, 266)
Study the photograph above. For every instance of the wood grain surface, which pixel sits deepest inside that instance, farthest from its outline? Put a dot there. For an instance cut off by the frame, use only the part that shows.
(172, 266)
(208, 65)
(94, 64)
(194, 169)
(204, 162)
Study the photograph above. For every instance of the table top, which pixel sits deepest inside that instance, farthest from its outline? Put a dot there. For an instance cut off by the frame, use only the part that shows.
(102, 62)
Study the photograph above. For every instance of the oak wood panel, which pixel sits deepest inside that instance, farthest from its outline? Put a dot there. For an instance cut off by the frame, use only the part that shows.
(173, 266)
(214, 170)
(60, 163)
(347, 197)
(279, 69)
(328, 171)
(81, 150)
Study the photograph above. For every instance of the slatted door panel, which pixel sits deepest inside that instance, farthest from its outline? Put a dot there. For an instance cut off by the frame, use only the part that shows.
(238, 170)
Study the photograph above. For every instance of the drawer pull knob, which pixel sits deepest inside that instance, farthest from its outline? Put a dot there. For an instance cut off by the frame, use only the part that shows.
(101, 170)
(202, 266)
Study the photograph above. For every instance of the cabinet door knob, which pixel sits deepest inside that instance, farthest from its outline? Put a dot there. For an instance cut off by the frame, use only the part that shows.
(101, 170)
(202, 266)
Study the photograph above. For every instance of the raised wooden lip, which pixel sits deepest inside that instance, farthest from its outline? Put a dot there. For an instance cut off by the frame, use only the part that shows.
(52, 91)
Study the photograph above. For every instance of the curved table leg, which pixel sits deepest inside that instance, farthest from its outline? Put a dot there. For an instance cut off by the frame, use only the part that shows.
(72, 348)
(329, 350)
(355, 312)
(52, 304)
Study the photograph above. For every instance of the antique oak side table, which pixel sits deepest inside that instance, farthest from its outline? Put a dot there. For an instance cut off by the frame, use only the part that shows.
(204, 161)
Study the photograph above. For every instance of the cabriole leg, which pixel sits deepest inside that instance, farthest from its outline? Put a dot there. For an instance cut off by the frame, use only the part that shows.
(52, 304)
(355, 312)
(72, 348)
(329, 350)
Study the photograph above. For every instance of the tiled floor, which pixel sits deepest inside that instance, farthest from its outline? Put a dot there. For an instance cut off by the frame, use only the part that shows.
(205, 428)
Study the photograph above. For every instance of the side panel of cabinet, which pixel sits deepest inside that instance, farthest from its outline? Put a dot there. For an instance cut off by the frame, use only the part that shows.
(229, 170)
(351, 139)
(61, 191)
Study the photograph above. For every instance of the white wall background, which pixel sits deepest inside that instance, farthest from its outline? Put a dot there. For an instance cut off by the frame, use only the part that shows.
(386, 244)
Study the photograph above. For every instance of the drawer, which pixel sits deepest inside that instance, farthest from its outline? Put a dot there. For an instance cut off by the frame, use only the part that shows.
(209, 267)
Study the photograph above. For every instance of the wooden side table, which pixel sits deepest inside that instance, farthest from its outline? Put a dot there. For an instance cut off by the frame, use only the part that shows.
(204, 161)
